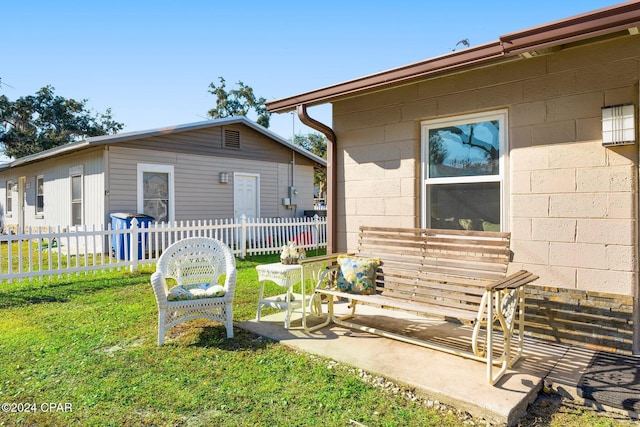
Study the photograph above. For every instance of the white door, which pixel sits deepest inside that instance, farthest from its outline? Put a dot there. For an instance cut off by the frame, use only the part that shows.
(246, 195)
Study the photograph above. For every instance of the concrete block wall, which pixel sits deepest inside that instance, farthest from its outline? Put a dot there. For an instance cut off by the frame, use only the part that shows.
(574, 222)
(571, 203)
(378, 163)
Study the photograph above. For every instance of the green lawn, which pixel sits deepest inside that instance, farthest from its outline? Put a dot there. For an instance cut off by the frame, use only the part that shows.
(83, 352)
(88, 345)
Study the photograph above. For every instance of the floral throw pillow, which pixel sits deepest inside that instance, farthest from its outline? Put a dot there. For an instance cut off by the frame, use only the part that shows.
(357, 275)
(195, 291)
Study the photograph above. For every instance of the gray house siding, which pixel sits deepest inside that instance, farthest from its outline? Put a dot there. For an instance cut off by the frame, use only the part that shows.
(208, 142)
(57, 190)
(195, 154)
(198, 192)
(198, 158)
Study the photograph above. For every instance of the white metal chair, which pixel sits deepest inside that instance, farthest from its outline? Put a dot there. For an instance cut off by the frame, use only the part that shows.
(196, 265)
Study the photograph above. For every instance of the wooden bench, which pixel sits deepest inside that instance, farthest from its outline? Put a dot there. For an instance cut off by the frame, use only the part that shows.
(446, 273)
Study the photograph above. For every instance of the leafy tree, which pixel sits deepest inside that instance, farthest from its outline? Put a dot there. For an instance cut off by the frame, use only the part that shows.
(317, 144)
(237, 102)
(35, 123)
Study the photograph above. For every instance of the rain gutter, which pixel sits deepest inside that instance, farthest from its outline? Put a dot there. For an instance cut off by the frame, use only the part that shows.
(606, 22)
(331, 173)
(602, 22)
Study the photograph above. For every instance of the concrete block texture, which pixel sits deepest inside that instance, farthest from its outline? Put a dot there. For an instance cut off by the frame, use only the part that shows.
(530, 252)
(553, 229)
(578, 205)
(576, 155)
(554, 276)
(549, 181)
(615, 282)
(571, 203)
(579, 255)
(530, 206)
(606, 231)
(606, 179)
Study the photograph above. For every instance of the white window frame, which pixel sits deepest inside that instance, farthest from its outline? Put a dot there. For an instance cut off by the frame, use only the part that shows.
(150, 167)
(39, 213)
(502, 117)
(77, 174)
(10, 200)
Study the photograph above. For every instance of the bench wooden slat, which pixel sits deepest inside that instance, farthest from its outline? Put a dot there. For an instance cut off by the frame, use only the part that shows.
(436, 288)
(379, 300)
(446, 273)
(437, 268)
(433, 297)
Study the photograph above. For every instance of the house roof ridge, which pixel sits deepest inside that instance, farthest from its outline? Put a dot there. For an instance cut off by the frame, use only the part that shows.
(165, 130)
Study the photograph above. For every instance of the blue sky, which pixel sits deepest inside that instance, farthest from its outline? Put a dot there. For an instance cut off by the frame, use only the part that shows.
(151, 62)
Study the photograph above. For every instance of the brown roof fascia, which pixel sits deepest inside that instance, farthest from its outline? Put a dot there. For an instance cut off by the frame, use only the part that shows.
(579, 27)
(404, 74)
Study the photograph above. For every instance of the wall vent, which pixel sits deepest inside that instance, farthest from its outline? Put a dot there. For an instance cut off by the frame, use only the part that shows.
(231, 139)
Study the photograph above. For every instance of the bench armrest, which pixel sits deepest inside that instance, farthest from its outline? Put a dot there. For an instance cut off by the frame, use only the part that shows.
(513, 281)
(313, 259)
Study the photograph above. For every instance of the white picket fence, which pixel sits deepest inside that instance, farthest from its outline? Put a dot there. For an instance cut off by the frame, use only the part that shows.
(80, 250)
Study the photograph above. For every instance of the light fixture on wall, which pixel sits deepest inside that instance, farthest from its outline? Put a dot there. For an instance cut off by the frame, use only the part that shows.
(224, 177)
(618, 125)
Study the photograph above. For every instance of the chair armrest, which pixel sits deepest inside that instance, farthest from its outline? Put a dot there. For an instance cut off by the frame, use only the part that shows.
(159, 287)
(513, 281)
(230, 284)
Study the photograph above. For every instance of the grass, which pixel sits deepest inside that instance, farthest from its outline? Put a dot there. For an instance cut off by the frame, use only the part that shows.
(87, 345)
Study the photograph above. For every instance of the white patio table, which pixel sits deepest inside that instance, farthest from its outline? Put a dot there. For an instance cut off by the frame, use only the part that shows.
(287, 276)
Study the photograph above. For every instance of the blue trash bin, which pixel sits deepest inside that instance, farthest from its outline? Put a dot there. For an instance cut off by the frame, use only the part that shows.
(120, 241)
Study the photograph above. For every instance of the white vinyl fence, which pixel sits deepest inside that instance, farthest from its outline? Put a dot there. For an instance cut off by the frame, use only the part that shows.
(76, 250)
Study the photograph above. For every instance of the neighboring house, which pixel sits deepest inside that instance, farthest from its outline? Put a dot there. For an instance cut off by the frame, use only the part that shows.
(507, 136)
(214, 169)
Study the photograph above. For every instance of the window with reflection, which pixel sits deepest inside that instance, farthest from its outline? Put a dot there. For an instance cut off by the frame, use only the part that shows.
(463, 171)
(39, 195)
(156, 191)
(156, 195)
(76, 200)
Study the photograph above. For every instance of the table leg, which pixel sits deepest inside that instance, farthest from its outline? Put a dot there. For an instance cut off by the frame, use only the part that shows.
(260, 298)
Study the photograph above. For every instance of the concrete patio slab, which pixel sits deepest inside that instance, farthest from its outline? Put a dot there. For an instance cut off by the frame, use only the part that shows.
(451, 379)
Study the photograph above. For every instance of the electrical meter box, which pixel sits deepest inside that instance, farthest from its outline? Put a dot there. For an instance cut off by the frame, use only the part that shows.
(293, 195)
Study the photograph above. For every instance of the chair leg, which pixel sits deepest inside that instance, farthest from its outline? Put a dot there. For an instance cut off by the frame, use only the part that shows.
(161, 331)
(229, 324)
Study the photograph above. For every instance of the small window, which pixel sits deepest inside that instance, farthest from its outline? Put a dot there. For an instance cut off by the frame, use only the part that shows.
(40, 195)
(9, 190)
(76, 200)
(231, 139)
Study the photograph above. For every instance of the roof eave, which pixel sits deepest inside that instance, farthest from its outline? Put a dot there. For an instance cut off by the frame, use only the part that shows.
(404, 74)
(128, 136)
(580, 27)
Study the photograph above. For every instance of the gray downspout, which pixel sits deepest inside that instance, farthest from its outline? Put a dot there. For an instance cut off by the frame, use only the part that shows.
(331, 173)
